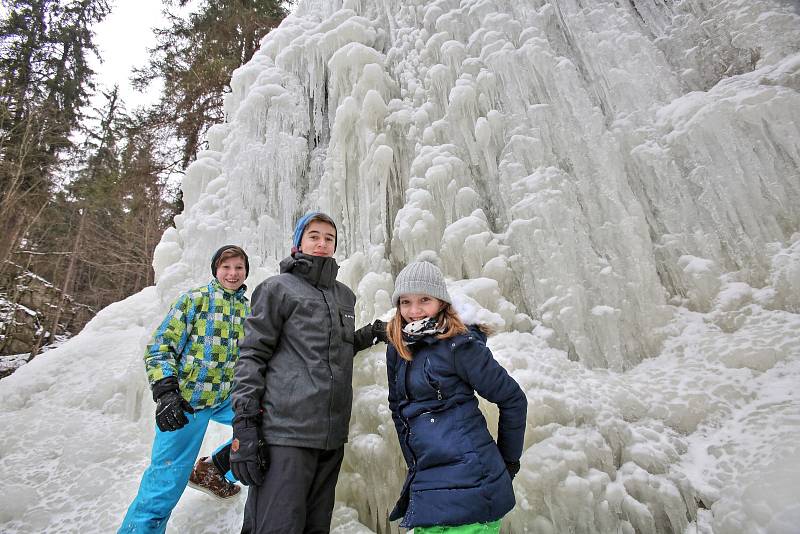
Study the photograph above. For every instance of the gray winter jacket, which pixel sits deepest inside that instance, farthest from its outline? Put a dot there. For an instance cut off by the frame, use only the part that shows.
(295, 363)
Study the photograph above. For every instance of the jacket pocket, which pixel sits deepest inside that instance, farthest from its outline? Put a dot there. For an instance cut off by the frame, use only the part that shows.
(436, 439)
(347, 318)
(189, 372)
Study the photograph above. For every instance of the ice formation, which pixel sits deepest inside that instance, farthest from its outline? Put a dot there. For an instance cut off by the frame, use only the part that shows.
(615, 186)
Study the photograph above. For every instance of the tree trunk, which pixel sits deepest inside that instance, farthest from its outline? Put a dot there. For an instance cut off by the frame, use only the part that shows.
(10, 225)
(66, 287)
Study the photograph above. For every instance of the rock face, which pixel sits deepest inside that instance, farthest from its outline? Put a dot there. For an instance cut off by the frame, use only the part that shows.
(28, 307)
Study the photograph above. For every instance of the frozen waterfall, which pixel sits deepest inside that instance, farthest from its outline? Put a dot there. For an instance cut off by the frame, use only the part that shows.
(614, 185)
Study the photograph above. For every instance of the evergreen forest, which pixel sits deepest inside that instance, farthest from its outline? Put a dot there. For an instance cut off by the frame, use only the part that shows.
(87, 189)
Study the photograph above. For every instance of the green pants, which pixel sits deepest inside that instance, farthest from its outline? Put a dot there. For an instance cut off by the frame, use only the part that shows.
(493, 527)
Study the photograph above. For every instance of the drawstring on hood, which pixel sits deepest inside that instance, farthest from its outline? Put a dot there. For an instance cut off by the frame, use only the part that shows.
(320, 271)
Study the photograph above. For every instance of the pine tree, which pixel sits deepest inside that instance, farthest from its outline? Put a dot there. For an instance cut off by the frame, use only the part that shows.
(107, 219)
(45, 80)
(147, 210)
(195, 58)
(91, 214)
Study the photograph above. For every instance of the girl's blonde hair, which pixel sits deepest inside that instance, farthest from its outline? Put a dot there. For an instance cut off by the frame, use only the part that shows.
(447, 319)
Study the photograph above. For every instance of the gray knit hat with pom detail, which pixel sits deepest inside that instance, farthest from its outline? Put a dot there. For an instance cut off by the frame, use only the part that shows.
(423, 278)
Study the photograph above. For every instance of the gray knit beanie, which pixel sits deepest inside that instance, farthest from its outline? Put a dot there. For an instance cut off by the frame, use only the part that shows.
(421, 277)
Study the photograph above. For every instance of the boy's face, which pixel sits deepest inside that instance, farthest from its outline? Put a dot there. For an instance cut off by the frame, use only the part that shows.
(319, 239)
(231, 273)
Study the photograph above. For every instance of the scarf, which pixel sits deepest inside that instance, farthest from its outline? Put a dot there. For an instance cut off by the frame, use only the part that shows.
(415, 331)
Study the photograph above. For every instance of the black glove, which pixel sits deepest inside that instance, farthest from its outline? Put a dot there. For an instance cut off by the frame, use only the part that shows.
(513, 469)
(170, 405)
(249, 460)
(379, 330)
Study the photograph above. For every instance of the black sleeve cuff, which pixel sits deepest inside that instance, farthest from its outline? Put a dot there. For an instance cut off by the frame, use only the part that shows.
(513, 468)
(168, 383)
(247, 421)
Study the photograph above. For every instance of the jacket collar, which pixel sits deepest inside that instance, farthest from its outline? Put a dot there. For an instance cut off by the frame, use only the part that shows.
(319, 271)
(239, 293)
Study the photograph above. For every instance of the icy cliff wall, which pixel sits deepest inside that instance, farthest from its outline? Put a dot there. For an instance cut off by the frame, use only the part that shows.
(603, 177)
(597, 161)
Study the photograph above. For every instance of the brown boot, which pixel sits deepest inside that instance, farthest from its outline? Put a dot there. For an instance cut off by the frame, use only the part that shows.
(206, 477)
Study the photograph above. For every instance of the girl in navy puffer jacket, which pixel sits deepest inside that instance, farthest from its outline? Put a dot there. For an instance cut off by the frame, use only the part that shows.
(458, 477)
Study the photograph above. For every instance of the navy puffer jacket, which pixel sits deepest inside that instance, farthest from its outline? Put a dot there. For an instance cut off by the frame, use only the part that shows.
(456, 472)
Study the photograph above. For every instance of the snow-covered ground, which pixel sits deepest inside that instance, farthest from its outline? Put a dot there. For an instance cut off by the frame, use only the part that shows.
(615, 186)
(8, 315)
(714, 418)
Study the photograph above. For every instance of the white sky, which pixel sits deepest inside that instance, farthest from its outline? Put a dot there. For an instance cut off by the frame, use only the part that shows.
(123, 38)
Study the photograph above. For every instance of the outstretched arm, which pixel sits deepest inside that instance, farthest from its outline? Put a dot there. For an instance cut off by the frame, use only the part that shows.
(369, 335)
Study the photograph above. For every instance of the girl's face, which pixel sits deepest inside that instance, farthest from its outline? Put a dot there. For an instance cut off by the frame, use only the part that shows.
(415, 306)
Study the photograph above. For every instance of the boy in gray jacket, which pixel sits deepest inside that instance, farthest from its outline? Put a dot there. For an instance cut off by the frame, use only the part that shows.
(293, 387)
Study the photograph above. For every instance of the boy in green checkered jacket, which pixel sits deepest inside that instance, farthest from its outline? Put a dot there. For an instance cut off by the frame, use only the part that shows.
(190, 364)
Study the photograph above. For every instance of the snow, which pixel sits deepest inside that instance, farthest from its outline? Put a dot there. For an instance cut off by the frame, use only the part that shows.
(11, 362)
(612, 186)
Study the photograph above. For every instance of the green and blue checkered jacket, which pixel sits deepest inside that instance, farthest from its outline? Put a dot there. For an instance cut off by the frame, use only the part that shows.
(198, 342)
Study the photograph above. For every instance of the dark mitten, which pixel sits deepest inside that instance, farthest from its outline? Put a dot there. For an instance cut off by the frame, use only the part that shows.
(248, 453)
(170, 407)
(379, 331)
(513, 469)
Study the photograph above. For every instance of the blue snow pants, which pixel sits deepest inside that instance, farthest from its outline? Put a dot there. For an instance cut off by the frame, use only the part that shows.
(171, 463)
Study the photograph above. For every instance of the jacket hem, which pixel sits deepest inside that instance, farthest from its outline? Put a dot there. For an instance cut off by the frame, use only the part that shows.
(282, 441)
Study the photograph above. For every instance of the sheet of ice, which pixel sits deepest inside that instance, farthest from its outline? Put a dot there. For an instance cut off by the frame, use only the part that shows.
(615, 186)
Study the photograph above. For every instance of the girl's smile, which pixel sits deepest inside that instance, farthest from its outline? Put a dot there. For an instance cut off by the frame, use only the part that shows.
(415, 306)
